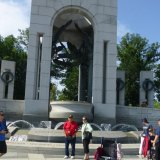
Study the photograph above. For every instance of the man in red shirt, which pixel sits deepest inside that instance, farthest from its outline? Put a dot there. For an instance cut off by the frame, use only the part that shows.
(70, 129)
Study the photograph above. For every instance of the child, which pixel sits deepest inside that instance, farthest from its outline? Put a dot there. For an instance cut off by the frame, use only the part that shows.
(151, 139)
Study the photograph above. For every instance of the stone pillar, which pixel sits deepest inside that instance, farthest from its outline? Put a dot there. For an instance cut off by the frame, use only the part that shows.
(104, 61)
(7, 89)
(79, 84)
(82, 83)
(38, 73)
(146, 95)
(90, 78)
(121, 88)
(31, 66)
(102, 14)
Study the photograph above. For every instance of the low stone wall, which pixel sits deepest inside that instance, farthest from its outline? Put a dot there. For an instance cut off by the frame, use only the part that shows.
(13, 109)
(134, 115)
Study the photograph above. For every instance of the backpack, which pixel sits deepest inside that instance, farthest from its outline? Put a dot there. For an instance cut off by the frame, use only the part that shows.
(98, 153)
(87, 135)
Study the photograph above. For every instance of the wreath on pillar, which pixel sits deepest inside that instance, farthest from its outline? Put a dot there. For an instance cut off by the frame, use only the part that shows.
(148, 85)
(120, 84)
(9, 74)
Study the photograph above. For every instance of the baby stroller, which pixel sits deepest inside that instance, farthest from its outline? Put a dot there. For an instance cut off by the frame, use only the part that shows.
(111, 150)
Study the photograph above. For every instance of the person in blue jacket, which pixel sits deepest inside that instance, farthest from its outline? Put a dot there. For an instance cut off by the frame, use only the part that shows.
(156, 142)
(3, 132)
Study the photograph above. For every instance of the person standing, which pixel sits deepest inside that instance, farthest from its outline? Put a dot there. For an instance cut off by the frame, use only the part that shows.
(70, 129)
(156, 142)
(151, 139)
(3, 132)
(146, 127)
(86, 137)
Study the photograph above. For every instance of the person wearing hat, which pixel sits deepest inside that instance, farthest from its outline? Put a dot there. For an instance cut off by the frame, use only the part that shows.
(70, 129)
(156, 142)
(3, 132)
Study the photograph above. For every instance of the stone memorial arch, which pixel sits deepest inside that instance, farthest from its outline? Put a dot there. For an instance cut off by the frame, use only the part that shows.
(76, 22)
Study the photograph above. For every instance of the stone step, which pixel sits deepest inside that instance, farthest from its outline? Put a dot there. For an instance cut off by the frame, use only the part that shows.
(31, 156)
(58, 148)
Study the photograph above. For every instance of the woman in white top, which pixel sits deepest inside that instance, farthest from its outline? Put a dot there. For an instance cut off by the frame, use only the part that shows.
(86, 137)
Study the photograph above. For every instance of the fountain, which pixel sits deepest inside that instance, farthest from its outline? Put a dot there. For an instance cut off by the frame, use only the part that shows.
(19, 130)
(45, 124)
(21, 124)
(25, 131)
(59, 125)
(94, 126)
(124, 128)
(132, 133)
(105, 127)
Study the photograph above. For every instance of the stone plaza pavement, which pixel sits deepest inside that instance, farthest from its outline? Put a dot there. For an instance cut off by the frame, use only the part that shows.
(31, 156)
(55, 151)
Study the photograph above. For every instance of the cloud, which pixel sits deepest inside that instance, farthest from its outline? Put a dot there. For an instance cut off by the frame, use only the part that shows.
(122, 29)
(14, 15)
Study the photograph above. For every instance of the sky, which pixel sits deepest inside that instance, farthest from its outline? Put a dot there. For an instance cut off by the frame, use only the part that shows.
(14, 15)
(140, 16)
(134, 16)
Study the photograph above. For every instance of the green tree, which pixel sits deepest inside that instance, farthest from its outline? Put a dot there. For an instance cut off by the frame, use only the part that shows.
(12, 50)
(66, 70)
(53, 90)
(157, 82)
(23, 38)
(156, 104)
(136, 54)
(70, 82)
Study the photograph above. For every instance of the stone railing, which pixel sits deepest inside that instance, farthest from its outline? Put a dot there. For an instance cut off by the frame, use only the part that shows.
(134, 115)
(13, 109)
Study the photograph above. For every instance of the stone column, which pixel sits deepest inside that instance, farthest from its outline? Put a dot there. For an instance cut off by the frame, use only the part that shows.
(79, 84)
(36, 107)
(45, 70)
(104, 61)
(32, 64)
(146, 95)
(90, 78)
(121, 88)
(7, 66)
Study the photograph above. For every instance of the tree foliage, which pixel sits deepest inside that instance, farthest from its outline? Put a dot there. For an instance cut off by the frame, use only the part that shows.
(66, 58)
(156, 104)
(53, 90)
(23, 38)
(65, 67)
(70, 92)
(136, 54)
(157, 82)
(11, 49)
